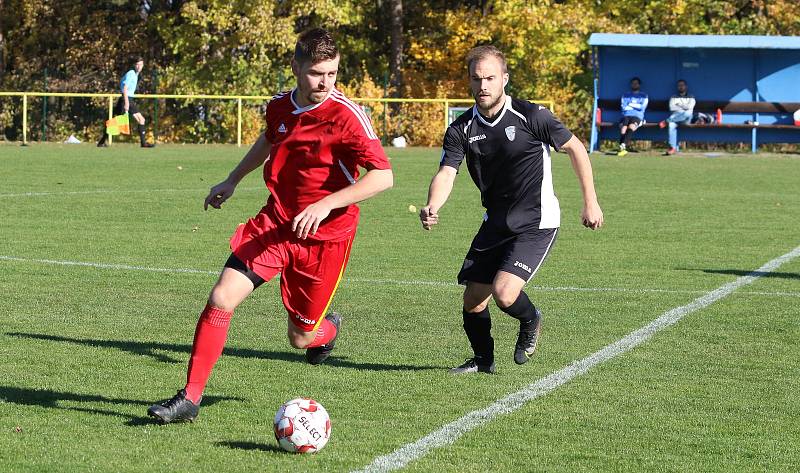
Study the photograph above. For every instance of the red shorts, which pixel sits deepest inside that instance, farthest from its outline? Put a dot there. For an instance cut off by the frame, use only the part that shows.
(310, 270)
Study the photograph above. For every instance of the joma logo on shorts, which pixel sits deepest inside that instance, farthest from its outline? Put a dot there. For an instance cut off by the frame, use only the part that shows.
(304, 320)
(522, 265)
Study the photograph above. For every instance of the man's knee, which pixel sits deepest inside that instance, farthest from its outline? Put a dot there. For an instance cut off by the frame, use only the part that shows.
(228, 295)
(505, 295)
(222, 297)
(672, 125)
(475, 301)
(475, 306)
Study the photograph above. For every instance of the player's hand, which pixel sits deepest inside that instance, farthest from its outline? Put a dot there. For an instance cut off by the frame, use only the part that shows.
(429, 217)
(309, 219)
(219, 194)
(592, 216)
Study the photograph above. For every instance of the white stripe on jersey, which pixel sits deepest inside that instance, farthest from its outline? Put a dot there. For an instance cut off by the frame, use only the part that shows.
(511, 109)
(551, 212)
(346, 172)
(337, 96)
(546, 252)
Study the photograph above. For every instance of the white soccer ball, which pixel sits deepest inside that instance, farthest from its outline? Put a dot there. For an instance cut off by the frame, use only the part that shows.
(302, 425)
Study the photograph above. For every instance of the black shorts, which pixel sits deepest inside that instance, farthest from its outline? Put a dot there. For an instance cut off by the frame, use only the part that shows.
(521, 256)
(635, 121)
(119, 107)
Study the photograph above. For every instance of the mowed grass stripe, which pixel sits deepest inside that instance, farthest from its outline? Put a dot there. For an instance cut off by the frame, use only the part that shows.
(472, 420)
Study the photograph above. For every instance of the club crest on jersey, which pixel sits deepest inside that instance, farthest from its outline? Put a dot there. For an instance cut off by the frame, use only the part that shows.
(282, 128)
(511, 132)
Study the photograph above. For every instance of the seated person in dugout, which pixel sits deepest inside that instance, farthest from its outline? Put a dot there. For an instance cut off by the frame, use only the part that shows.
(681, 107)
(632, 104)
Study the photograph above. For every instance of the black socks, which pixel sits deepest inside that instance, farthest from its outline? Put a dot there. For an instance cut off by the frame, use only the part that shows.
(478, 327)
(522, 309)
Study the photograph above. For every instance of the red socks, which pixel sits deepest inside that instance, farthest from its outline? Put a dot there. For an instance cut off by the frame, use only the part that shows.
(325, 333)
(209, 340)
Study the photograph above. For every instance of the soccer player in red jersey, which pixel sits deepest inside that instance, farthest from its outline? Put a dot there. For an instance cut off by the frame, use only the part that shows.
(314, 144)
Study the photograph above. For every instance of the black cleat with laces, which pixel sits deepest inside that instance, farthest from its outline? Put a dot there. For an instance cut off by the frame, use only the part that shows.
(527, 338)
(177, 409)
(317, 355)
(473, 365)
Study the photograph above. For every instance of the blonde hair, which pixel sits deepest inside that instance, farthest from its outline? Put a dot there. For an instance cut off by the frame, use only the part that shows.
(482, 52)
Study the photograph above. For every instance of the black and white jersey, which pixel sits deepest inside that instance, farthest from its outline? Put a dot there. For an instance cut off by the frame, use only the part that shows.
(509, 160)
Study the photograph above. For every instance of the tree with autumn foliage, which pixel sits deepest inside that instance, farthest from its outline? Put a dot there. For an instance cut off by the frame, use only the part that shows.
(390, 48)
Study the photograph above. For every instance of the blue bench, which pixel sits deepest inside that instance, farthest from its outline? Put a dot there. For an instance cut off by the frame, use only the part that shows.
(754, 122)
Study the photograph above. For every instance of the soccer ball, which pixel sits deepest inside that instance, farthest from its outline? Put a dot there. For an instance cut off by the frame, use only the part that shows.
(302, 425)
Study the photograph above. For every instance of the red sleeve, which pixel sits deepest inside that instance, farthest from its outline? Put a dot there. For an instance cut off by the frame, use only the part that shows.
(269, 133)
(364, 144)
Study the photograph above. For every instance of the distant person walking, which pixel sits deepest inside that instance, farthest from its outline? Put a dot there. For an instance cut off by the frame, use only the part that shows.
(126, 104)
(633, 104)
(681, 106)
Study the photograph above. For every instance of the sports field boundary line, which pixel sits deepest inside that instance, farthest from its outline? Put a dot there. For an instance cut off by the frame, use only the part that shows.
(113, 191)
(451, 432)
(393, 282)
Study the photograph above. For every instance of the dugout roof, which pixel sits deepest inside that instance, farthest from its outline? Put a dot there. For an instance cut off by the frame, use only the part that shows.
(694, 41)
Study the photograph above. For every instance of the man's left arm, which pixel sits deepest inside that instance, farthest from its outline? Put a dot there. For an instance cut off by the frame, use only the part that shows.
(374, 182)
(591, 215)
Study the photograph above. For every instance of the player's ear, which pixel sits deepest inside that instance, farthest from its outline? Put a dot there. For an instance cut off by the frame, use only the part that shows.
(295, 68)
(505, 79)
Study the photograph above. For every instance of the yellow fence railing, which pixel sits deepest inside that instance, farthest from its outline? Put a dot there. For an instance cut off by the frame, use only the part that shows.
(445, 103)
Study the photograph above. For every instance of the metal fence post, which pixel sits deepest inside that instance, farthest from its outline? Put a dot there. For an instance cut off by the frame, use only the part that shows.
(24, 120)
(239, 122)
(110, 113)
(446, 122)
(44, 109)
(155, 107)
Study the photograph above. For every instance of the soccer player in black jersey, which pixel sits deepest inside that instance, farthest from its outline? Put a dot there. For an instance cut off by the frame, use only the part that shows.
(506, 143)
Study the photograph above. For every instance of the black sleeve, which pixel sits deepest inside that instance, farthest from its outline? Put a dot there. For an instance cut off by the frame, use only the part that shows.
(454, 148)
(547, 128)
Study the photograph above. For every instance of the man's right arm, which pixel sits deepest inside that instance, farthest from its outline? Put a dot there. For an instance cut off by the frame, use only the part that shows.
(254, 158)
(438, 192)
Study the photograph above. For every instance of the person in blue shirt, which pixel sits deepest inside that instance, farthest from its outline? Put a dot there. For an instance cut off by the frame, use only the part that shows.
(126, 104)
(633, 104)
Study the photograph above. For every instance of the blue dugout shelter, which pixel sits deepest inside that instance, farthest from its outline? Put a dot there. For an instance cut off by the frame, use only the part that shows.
(753, 80)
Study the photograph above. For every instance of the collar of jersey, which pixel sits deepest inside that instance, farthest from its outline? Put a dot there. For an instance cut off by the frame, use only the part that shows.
(298, 109)
(476, 114)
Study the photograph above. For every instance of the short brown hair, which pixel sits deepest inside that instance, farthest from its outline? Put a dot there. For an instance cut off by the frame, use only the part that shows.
(315, 45)
(482, 52)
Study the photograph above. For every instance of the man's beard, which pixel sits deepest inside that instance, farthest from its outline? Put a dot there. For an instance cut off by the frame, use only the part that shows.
(491, 105)
(317, 96)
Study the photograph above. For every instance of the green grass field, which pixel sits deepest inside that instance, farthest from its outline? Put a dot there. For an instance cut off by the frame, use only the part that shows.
(85, 349)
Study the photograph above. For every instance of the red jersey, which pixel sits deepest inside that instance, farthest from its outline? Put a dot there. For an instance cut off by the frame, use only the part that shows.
(316, 151)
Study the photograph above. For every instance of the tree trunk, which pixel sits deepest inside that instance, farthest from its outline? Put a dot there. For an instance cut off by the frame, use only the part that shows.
(2, 47)
(396, 58)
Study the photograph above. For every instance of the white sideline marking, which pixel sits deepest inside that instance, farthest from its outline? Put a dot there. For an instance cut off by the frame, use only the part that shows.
(107, 265)
(392, 282)
(115, 191)
(472, 420)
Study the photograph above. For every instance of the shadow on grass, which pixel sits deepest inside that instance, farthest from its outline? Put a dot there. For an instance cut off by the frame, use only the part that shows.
(153, 350)
(742, 272)
(262, 447)
(57, 399)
